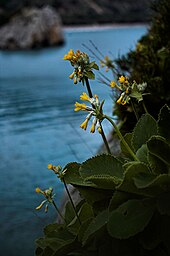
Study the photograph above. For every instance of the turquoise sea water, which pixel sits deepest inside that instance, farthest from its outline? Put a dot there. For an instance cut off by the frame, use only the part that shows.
(38, 126)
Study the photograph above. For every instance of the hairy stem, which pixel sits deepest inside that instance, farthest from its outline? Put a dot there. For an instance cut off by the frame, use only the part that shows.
(68, 193)
(105, 140)
(58, 211)
(88, 87)
(121, 138)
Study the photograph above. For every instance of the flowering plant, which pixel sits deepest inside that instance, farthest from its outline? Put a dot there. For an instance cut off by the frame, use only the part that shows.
(124, 208)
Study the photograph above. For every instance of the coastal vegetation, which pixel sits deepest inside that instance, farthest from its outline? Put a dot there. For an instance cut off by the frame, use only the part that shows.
(125, 207)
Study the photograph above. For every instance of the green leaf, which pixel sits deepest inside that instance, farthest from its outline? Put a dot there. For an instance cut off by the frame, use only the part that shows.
(72, 175)
(142, 153)
(84, 213)
(158, 147)
(164, 122)
(104, 181)
(102, 165)
(128, 139)
(134, 170)
(90, 74)
(163, 204)
(154, 186)
(144, 129)
(157, 165)
(117, 199)
(93, 65)
(96, 224)
(69, 212)
(93, 195)
(130, 218)
(83, 228)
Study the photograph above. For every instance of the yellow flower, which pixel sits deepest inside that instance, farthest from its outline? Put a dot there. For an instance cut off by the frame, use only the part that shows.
(85, 97)
(50, 166)
(119, 101)
(38, 190)
(79, 106)
(122, 79)
(106, 58)
(112, 84)
(75, 80)
(41, 205)
(69, 55)
(99, 130)
(72, 75)
(92, 130)
(84, 124)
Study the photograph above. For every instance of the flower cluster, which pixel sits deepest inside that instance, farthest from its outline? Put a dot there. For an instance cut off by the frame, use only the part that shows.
(57, 170)
(108, 63)
(128, 90)
(48, 194)
(82, 66)
(94, 110)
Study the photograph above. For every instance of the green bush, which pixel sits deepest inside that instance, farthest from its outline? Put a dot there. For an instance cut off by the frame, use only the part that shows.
(126, 206)
(150, 61)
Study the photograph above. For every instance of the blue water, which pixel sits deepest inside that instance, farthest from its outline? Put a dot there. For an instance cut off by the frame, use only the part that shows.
(38, 126)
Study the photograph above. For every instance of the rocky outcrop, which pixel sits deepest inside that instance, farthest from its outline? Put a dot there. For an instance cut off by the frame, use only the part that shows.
(32, 28)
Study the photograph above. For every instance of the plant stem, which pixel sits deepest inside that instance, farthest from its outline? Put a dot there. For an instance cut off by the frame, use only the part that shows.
(105, 140)
(71, 201)
(88, 87)
(144, 106)
(121, 138)
(58, 211)
(134, 110)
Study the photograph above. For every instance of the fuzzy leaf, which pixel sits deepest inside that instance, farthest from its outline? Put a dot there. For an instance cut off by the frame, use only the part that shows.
(93, 195)
(104, 181)
(144, 129)
(157, 165)
(102, 165)
(130, 218)
(96, 225)
(164, 122)
(158, 147)
(142, 153)
(132, 171)
(153, 186)
(117, 199)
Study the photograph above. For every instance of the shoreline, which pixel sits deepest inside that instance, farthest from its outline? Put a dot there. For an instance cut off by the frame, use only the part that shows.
(93, 27)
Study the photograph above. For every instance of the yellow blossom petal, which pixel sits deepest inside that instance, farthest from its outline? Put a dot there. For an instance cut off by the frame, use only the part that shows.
(122, 79)
(112, 84)
(50, 166)
(38, 190)
(119, 101)
(92, 130)
(84, 124)
(41, 205)
(85, 97)
(69, 55)
(79, 106)
(72, 75)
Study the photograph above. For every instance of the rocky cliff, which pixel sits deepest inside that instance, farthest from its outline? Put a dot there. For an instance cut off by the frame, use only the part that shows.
(32, 28)
(86, 11)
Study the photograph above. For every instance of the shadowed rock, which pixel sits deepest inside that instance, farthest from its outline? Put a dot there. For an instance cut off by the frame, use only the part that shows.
(33, 28)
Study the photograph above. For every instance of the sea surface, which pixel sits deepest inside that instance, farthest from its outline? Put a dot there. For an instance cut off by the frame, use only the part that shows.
(38, 126)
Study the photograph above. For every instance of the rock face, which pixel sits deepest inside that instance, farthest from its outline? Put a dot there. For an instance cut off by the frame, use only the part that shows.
(33, 28)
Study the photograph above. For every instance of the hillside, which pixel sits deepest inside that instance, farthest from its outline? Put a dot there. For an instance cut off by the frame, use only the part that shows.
(86, 11)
